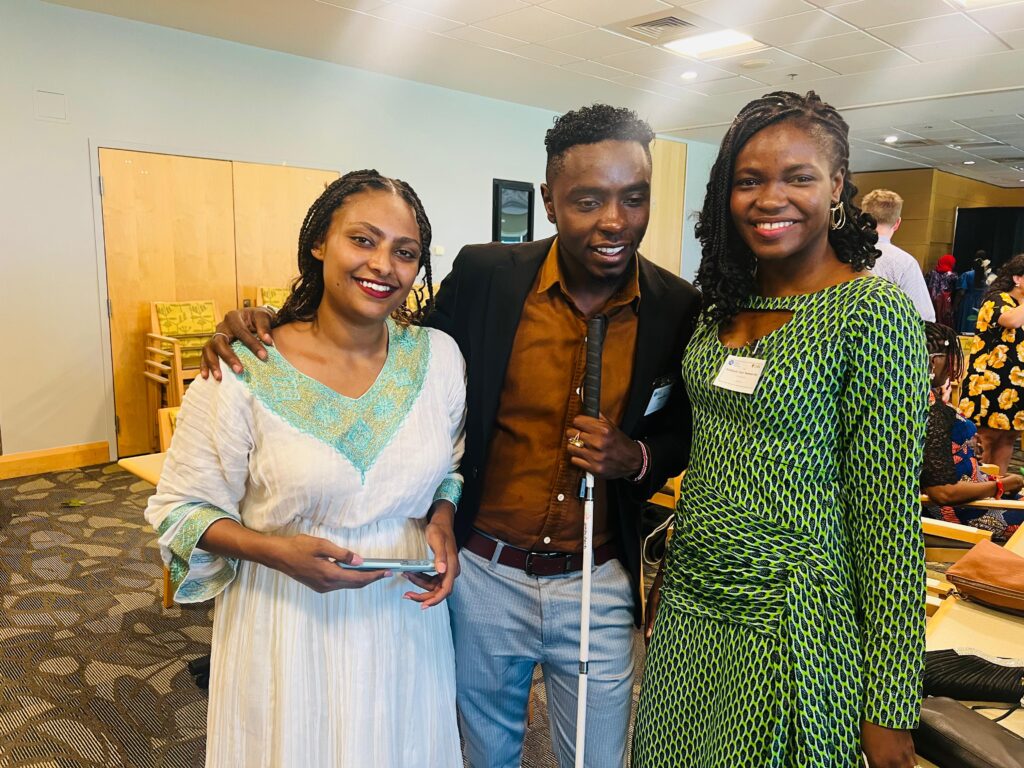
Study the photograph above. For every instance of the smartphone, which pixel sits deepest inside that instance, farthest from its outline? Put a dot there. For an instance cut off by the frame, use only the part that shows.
(390, 564)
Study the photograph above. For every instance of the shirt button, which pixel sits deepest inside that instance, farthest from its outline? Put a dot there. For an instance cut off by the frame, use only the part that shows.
(561, 497)
(547, 539)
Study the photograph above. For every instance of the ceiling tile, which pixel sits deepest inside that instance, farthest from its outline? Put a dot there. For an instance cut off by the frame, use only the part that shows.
(792, 29)
(954, 27)
(971, 46)
(850, 44)
(485, 38)
(740, 65)
(642, 61)
(533, 24)
(1012, 122)
(593, 44)
(603, 12)
(868, 62)
(653, 86)
(798, 74)
(594, 69)
(872, 13)
(829, 3)
(544, 55)
(416, 19)
(1014, 39)
(356, 5)
(731, 13)
(705, 73)
(734, 84)
(1001, 19)
(466, 11)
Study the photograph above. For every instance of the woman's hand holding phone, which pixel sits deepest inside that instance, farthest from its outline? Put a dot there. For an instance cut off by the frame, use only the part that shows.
(314, 562)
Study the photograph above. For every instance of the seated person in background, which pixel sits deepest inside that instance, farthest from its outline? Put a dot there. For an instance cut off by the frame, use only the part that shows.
(343, 444)
(950, 474)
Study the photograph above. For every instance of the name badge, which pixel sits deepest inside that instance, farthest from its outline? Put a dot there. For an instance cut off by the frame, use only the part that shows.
(658, 399)
(740, 374)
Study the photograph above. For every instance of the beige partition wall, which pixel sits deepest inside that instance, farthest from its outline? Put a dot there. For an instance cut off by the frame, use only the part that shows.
(663, 243)
(930, 199)
(168, 232)
(270, 204)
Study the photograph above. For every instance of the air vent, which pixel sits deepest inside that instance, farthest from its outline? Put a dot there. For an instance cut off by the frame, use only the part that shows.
(1007, 160)
(666, 26)
(914, 143)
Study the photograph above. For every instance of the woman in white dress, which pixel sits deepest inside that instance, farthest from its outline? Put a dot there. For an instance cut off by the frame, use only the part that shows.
(343, 444)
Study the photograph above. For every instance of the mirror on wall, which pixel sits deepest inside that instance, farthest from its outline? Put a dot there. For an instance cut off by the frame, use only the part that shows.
(512, 211)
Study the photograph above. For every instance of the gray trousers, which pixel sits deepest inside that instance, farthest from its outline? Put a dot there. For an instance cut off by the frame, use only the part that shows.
(504, 623)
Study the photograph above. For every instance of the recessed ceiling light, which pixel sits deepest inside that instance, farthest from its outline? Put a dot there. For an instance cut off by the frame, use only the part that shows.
(891, 139)
(689, 75)
(954, 146)
(756, 63)
(968, 162)
(725, 42)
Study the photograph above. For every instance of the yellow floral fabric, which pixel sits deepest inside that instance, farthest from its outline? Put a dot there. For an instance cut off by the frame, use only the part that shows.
(994, 383)
(191, 322)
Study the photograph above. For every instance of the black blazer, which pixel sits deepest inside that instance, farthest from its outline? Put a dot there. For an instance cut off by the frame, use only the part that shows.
(480, 303)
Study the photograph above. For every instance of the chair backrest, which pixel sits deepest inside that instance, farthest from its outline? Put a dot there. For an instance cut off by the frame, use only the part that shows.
(272, 296)
(167, 420)
(192, 323)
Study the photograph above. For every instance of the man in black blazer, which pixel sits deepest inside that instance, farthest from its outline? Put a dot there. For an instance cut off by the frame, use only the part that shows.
(518, 313)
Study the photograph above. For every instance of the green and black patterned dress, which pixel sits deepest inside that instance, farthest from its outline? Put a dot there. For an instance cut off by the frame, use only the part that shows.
(793, 599)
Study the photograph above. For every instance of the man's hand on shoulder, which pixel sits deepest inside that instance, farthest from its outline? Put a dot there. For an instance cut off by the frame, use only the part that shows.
(251, 326)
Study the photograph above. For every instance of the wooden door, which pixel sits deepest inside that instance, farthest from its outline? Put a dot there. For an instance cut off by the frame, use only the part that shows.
(168, 232)
(270, 203)
(663, 242)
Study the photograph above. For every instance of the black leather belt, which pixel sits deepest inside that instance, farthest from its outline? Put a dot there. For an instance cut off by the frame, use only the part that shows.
(537, 563)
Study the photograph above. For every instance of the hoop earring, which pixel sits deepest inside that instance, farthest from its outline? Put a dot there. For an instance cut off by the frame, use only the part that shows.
(837, 216)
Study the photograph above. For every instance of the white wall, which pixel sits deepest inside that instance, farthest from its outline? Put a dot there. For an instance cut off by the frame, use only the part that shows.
(699, 159)
(142, 86)
(145, 87)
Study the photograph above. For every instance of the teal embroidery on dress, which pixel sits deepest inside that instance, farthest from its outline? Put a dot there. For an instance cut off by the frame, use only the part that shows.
(176, 514)
(361, 428)
(198, 590)
(450, 489)
(198, 517)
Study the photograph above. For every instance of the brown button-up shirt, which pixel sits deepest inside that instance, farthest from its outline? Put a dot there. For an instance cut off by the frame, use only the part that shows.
(531, 496)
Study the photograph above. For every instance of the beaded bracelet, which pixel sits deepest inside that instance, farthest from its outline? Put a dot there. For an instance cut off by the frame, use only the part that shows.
(644, 451)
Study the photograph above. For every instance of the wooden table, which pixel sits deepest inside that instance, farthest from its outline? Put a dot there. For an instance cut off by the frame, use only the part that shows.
(147, 467)
(964, 624)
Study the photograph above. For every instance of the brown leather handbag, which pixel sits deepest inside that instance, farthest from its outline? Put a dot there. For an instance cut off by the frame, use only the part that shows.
(992, 576)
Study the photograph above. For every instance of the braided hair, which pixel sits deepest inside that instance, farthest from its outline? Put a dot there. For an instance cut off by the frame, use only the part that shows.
(308, 287)
(942, 340)
(727, 267)
(1004, 277)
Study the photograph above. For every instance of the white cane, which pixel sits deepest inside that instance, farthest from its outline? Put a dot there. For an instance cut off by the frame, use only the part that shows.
(591, 407)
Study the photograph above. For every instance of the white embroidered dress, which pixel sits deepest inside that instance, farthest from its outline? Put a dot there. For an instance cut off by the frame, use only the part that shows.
(351, 677)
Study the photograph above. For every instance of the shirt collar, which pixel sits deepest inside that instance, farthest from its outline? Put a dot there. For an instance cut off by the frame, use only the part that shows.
(551, 276)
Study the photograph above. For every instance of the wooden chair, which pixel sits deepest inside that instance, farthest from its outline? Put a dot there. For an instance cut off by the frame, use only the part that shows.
(173, 349)
(167, 418)
(272, 296)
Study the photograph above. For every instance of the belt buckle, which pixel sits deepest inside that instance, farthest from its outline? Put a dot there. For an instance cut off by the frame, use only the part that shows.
(546, 556)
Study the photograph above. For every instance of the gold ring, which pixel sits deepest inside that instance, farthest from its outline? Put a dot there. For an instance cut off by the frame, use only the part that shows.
(575, 441)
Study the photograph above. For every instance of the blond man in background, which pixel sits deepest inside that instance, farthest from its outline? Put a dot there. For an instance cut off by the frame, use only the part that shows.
(895, 264)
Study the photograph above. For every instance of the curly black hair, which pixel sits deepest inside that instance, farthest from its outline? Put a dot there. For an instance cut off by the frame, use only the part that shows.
(942, 340)
(589, 125)
(726, 272)
(308, 287)
(1003, 283)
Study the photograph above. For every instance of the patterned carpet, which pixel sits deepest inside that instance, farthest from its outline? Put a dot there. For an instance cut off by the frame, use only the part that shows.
(92, 668)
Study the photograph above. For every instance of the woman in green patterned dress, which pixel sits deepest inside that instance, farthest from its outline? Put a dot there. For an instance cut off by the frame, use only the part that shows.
(994, 386)
(790, 619)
